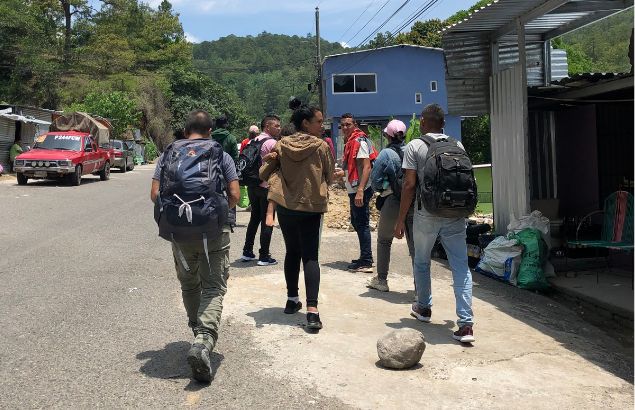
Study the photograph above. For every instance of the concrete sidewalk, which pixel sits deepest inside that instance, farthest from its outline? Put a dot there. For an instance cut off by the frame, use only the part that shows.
(530, 352)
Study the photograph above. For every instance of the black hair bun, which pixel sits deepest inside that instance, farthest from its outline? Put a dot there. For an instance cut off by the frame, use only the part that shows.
(294, 103)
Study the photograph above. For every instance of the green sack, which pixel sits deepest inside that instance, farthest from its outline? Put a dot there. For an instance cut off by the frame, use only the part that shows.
(530, 274)
(243, 202)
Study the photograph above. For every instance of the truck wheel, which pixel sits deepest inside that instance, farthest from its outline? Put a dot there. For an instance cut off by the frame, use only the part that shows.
(22, 180)
(125, 166)
(104, 174)
(76, 178)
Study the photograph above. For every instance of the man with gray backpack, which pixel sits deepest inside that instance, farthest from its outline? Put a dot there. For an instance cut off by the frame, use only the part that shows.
(439, 171)
(193, 188)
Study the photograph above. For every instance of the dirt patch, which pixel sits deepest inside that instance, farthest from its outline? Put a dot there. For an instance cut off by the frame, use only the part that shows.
(338, 216)
(7, 177)
(339, 213)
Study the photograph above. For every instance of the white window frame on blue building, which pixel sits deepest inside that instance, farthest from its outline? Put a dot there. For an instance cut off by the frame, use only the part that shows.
(354, 83)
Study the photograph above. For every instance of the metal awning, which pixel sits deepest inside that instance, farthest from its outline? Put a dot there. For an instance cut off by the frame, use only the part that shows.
(545, 19)
(22, 118)
(487, 41)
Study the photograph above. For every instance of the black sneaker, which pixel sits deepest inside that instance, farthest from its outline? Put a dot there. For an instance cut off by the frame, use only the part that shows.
(421, 314)
(267, 261)
(248, 256)
(198, 359)
(361, 267)
(292, 307)
(313, 321)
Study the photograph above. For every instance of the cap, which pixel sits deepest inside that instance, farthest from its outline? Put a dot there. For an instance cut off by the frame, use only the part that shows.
(254, 128)
(394, 127)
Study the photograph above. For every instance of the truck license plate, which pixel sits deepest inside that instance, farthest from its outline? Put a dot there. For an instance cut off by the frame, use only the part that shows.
(40, 174)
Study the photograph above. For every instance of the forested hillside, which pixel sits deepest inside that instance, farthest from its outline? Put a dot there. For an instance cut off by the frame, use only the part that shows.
(264, 70)
(600, 47)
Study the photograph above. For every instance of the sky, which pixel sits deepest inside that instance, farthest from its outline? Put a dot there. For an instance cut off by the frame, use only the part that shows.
(211, 19)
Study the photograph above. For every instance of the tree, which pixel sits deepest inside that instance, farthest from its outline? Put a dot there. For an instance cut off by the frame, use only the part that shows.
(382, 40)
(71, 8)
(29, 59)
(423, 33)
(475, 136)
(117, 106)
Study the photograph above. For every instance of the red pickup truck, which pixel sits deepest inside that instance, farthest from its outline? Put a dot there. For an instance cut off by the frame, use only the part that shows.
(64, 155)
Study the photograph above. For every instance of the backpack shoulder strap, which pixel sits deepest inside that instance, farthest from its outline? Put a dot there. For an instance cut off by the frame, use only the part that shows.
(428, 139)
(398, 150)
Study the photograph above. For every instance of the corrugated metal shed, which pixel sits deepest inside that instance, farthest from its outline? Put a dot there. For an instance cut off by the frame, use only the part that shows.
(490, 34)
(34, 121)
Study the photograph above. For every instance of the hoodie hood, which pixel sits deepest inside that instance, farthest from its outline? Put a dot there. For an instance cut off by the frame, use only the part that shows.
(299, 146)
(220, 135)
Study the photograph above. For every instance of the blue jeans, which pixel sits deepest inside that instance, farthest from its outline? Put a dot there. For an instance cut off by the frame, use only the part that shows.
(360, 219)
(452, 234)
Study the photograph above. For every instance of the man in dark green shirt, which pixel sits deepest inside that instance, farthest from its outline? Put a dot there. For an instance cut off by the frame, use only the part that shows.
(222, 135)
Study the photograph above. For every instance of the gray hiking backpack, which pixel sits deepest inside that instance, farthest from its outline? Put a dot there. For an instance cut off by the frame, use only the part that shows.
(192, 202)
(448, 189)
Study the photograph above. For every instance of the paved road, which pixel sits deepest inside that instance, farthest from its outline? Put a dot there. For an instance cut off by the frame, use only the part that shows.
(92, 317)
(91, 310)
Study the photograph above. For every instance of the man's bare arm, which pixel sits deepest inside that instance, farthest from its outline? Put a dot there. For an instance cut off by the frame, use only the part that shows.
(233, 193)
(407, 196)
(154, 191)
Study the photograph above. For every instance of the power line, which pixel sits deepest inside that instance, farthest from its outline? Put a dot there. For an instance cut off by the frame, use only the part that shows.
(356, 20)
(423, 9)
(368, 22)
(384, 23)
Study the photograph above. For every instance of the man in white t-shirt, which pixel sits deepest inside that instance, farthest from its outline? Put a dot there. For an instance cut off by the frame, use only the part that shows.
(428, 227)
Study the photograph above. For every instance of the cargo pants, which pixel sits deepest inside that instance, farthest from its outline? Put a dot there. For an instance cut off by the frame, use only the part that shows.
(204, 284)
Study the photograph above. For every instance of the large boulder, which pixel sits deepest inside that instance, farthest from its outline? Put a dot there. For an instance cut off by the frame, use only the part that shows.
(401, 348)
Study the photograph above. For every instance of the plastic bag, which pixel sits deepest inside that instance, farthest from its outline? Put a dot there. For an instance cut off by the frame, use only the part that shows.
(531, 274)
(534, 220)
(501, 259)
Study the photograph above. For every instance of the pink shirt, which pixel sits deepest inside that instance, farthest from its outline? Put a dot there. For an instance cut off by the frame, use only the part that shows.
(266, 148)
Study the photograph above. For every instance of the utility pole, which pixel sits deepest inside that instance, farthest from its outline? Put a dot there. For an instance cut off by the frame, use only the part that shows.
(319, 59)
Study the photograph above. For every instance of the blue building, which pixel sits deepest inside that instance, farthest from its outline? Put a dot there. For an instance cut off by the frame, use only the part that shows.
(384, 83)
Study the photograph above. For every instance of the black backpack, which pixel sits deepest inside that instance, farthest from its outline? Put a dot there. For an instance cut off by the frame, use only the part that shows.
(249, 162)
(192, 202)
(448, 188)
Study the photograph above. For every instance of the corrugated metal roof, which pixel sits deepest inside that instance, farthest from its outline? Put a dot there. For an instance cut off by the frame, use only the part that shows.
(584, 79)
(468, 51)
(542, 16)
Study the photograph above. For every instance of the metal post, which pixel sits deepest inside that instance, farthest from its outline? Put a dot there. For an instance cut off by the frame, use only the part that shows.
(319, 59)
(522, 60)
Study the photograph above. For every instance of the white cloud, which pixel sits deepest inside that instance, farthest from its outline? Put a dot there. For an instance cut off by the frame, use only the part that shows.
(191, 38)
(344, 44)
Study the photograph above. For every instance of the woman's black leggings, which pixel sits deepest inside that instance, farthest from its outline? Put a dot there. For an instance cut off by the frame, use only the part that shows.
(302, 239)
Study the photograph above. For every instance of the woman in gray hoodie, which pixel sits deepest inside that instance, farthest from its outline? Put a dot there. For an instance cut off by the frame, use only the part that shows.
(299, 173)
